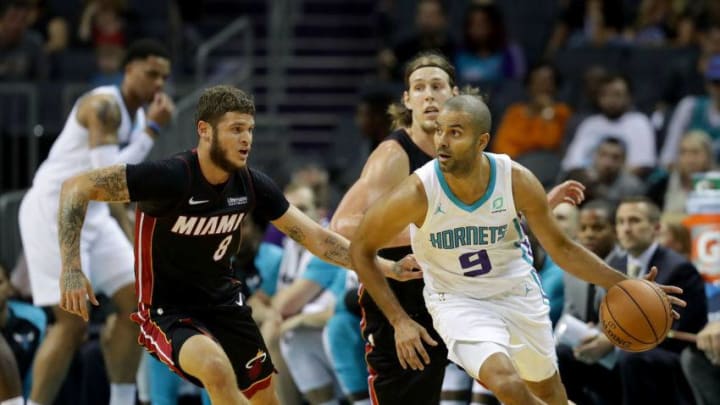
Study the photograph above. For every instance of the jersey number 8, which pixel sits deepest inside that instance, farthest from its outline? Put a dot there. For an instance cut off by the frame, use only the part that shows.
(222, 248)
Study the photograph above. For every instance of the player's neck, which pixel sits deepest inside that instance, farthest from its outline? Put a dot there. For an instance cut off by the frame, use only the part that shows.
(212, 173)
(469, 186)
(131, 103)
(422, 138)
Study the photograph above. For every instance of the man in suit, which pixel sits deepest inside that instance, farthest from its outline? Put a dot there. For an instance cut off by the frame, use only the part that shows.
(596, 232)
(654, 376)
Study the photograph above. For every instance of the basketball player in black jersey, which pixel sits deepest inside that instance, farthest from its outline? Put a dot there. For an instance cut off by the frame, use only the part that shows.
(190, 309)
(430, 81)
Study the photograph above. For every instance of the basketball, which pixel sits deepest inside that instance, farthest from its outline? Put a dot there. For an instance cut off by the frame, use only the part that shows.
(635, 315)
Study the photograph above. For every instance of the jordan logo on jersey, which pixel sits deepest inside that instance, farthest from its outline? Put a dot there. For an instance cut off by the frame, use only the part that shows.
(199, 226)
(467, 235)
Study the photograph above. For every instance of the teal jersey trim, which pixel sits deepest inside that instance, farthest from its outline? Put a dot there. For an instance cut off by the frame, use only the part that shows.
(519, 244)
(472, 207)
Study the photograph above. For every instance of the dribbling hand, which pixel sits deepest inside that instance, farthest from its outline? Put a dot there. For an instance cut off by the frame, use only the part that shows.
(667, 289)
(161, 109)
(75, 289)
(409, 337)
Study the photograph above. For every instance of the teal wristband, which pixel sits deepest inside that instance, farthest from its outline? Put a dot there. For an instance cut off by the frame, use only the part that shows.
(154, 126)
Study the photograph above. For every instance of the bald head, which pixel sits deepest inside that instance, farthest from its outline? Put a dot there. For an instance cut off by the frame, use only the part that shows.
(474, 106)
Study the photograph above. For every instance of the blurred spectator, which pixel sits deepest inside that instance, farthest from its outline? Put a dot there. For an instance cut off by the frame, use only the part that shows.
(587, 22)
(614, 120)
(695, 112)
(109, 65)
(103, 23)
(669, 190)
(655, 24)
(487, 57)
(22, 326)
(582, 300)
(372, 118)
(538, 124)
(305, 303)
(674, 235)
(566, 216)
(52, 27)
(431, 34)
(608, 178)
(21, 51)
(654, 376)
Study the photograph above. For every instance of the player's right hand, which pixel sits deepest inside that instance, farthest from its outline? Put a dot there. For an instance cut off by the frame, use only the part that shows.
(161, 109)
(409, 336)
(75, 290)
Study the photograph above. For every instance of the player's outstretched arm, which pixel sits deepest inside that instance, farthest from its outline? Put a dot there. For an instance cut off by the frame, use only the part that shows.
(106, 184)
(333, 247)
(404, 206)
(530, 199)
(384, 170)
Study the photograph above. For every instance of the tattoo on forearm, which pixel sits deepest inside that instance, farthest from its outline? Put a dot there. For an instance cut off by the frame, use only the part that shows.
(112, 182)
(337, 251)
(295, 233)
(70, 222)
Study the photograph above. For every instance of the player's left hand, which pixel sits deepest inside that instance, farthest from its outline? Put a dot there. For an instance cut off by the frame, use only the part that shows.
(409, 337)
(668, 290)
(708, 340)
(75, 289)
(405, 269)
(570, 191)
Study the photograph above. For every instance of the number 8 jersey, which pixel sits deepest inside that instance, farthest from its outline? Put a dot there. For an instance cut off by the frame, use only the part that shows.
(477, 250)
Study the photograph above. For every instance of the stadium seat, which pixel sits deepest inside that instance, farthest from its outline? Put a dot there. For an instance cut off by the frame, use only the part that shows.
(11, 245)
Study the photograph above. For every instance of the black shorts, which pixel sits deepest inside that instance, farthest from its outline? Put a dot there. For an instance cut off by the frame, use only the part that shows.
(164, 330)
(389, 383)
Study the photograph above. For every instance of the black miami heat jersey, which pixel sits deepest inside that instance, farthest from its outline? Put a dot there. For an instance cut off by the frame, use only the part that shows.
(187, 229)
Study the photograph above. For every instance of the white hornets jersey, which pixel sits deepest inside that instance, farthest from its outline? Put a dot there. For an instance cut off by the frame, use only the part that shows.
(70, 155)
(476, 250)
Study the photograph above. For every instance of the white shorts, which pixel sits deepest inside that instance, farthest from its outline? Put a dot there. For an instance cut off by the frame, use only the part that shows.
(106, 254)
(516, 322)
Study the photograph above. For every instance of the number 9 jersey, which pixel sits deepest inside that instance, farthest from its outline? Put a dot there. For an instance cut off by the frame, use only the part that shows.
(476, 250)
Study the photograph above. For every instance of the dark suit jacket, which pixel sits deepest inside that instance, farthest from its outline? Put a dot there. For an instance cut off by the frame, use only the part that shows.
(674, 269)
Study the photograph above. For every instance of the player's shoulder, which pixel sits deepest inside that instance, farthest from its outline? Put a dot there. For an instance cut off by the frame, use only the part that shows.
(389, 156)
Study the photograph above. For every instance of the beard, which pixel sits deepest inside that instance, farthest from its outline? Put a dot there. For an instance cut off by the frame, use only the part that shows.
(218, 155)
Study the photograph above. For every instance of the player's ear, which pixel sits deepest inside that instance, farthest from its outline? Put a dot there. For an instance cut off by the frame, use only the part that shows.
(204, 130)
(406, 100)
(455, 91)
(484, 140)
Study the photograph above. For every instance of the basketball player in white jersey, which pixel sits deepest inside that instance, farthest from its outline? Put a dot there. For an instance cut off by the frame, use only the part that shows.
(480, 287)
(107, 126)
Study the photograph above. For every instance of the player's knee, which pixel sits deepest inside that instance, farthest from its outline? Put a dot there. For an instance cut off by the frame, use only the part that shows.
(71, 329)
(216, 372)
(506, 385)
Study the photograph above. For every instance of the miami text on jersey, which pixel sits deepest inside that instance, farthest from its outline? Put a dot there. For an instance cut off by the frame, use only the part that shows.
(199, 226)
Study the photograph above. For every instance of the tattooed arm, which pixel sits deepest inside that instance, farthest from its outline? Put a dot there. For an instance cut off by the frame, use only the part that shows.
(333, 247)
(106, 184)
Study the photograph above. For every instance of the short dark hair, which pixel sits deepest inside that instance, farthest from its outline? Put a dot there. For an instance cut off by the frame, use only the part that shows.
(217, 100)
(613, 140)
(601, 205)
(653, 210)
(614, 77)
(143, 48)
(475, 106)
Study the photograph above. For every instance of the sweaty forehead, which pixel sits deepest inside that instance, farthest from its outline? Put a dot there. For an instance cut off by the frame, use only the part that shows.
(453, 117)
(231, 118)
(427, 74)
